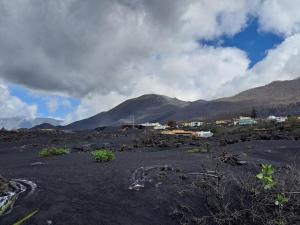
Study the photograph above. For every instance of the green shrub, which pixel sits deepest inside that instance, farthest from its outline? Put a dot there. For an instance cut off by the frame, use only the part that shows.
(199, 150)
(103, 155)
(47, 152)
(266, 176)
(281, 200)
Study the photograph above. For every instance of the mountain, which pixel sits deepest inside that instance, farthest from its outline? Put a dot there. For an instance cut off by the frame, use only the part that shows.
(275, 93)
(20, 122)
(45, 126)
(278, 98)
(147, 108)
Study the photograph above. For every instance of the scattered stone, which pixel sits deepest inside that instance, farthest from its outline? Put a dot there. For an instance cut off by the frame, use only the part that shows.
(37, 163)
(241, 163)
(166, 168)
(231, 159)
(158, 184)
(125, 148)
(178, 170)
(183, 177)
(161, 175)
(85, 148)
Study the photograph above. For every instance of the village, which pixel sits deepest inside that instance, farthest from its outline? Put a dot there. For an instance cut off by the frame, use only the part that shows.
(200, 128)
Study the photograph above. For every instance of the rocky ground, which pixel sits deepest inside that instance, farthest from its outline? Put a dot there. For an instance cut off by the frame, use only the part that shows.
(154, 180)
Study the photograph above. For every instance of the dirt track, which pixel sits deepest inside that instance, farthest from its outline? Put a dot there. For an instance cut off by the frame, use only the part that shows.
(74, 190)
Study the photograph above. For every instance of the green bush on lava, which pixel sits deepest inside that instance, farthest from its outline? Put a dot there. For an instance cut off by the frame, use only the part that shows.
(266, 176)
(47, 152)
(199, 150)
(103, 155)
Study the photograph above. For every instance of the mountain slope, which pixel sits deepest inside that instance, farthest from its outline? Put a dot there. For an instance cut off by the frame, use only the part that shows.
(146, 108)
(277, 92)
(279, 98)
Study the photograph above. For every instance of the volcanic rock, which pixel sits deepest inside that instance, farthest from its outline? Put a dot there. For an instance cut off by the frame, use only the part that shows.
(4, 185)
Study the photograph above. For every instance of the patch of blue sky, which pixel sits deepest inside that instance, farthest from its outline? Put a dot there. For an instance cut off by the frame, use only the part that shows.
(254, 42)
(66, 105)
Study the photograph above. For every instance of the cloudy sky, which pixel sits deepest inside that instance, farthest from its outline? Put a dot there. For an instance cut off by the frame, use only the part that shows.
(71, 59)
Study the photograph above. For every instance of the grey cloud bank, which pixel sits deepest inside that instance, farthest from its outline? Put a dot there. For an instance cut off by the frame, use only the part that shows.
(104, 51)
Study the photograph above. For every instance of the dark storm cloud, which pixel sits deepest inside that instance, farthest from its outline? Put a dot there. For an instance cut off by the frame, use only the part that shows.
(121, 48)
(76, 46)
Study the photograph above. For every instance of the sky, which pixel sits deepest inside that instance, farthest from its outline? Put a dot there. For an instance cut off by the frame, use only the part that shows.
(71, 59)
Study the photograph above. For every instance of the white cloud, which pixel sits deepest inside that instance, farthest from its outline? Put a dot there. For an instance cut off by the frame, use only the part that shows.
(210, 19)
(281, 63)
(52, 105)
(93, 104)
(66, 104)
(11, 106)
(105, 51)
(280, 16)
(81, 47)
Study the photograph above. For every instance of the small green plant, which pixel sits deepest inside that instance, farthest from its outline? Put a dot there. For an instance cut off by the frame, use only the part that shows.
(199, 150)
(266, 176)
(103, 155)
(281, 200)
(280, 221)
(47, 152)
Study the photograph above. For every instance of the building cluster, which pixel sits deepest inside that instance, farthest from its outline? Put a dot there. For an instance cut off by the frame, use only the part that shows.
(203, 134)
(180, 132)
(192, 124)
(242, 121)
(191, 128)
(278, 119)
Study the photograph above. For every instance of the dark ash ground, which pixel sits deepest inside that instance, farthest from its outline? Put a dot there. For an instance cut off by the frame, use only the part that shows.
(74, 190)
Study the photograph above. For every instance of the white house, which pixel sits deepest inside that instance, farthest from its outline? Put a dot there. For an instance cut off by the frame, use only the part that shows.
(205, 134)
(193, 124)
(150, 124)
(278, 119)
(160, 127)
(245, 121)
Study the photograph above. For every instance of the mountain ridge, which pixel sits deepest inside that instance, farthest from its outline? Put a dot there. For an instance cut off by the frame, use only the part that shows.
(278, 97)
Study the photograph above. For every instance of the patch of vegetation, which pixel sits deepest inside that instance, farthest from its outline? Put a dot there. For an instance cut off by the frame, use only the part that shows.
(27, 217)
(103, 155)
(271, 197)
(47, 152)
(266, 176)
(293, 122)
(217, 130)
(199, 150)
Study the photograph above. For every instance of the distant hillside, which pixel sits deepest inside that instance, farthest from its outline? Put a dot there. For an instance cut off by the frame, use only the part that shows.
(44, 126)
(278, 98)
(19, 122)
(275, 93)
(148, 108)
